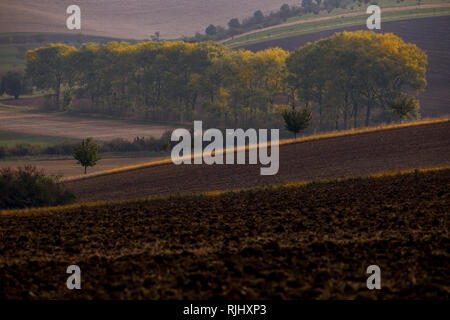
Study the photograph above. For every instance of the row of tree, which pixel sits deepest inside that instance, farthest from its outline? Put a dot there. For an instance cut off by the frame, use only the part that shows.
(162, 81)
(346, 80)
(357, 76)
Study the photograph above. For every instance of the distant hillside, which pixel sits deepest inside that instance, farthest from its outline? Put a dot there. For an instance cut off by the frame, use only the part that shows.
(429, 34)
(137, 19)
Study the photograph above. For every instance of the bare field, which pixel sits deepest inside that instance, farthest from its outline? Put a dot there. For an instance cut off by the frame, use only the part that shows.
(312, 242)
(354, 155)
(74, 127)
(135, 19)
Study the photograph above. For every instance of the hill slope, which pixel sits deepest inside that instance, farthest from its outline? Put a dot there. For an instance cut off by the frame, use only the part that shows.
(360, 154)
(429, 34)
(136, 19)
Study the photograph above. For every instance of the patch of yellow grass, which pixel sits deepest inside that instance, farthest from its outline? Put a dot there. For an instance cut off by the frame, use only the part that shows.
(120, 169)
(217, 193)
(214, 193)
(320, 136)
(32, 211)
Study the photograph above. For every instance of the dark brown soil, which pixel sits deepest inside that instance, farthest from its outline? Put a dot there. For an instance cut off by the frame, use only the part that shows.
(311, 242)
(355, 155)
(429, 34)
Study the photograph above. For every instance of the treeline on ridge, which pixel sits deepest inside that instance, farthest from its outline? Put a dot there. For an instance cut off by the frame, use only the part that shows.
(347, 80)
(260, 20)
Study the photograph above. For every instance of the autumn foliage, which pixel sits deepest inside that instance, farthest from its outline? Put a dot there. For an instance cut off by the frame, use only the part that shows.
(347, 80)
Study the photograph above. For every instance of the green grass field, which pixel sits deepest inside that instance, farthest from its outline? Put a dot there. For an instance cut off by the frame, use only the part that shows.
(338, 22)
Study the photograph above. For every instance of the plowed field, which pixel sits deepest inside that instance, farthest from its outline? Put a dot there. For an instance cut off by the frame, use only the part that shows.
(312, 242)
(354, 155)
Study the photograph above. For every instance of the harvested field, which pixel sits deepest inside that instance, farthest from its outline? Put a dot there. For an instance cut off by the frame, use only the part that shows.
(354, 155)
(312, 242)
(15, 120)
(429, 34)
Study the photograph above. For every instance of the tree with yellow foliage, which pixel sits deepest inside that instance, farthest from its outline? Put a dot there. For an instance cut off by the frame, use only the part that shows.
(49, 68)
(354, 70)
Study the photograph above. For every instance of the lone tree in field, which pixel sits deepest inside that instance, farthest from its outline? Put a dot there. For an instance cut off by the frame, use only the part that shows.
(297, 120)
(87, 153)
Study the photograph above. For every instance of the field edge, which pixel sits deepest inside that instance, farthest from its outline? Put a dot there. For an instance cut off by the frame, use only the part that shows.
(216, 193)
(320, 136)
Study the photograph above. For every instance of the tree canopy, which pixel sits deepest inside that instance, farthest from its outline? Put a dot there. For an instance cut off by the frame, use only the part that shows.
(86, 153)
(13, 84)
(353, 72)
(347, 80)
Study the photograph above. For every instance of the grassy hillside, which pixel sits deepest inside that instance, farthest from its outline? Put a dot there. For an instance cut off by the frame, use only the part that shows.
(132, 18)
(429, 34)
(332, 21)
(310, 241)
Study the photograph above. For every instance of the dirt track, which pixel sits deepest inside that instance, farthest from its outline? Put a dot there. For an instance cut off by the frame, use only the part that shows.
(429, 34)
(361, 154)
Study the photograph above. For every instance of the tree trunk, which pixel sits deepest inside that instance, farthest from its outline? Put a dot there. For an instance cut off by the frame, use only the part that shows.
(320, 112)
(85, 168)
(293, 99)
(345, 118)
(355, 114)
(58, 90)
(346, 112)
(369, 107)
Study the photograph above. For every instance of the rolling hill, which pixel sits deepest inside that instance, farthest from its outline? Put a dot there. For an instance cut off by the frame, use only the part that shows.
(296, 242)
(429, 34)
(409, 147)
(135, 19)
